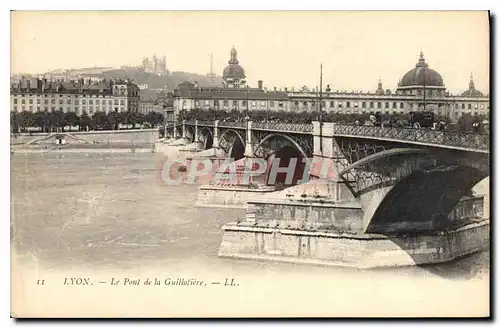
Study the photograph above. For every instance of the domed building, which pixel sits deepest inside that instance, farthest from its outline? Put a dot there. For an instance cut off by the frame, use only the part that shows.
(233, 74)
(419, 88)
(472, 92)
(421, 78)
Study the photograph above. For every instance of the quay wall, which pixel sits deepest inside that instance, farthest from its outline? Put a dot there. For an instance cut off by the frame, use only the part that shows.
(360, 251)
(136, 136)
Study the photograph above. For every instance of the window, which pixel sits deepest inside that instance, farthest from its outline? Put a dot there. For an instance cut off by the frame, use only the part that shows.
(371, 104)
(31, 101)
(69, 101)
(23, 101)
(463, 106)
(206, 102)
(305, 104)
(226, 103)
(91, 102)
(401, 105)
(475, 106)
(394, 105)
(363, 104)
(31, 108)
(386, 105)
(60, 102)
(348, 104)
(38, 101)
(323, 104)
(116, 101)
(15, 100)
(356, 104)
(271, 103)
(46, 101)
(331, 104)
(379, 105)
(122, 102)
(469, 106)
(15, 107)
(280, 104)
(244, 102)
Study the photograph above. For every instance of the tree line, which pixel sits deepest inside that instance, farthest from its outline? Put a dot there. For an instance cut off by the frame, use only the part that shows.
(464, 123)
(67, 121)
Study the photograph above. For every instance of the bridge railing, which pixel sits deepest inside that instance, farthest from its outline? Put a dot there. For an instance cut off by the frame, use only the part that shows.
(239, 125)
(448, 138)
(284, 127)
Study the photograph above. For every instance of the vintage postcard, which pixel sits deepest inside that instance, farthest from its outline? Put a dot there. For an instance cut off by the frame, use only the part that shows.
(242, 164)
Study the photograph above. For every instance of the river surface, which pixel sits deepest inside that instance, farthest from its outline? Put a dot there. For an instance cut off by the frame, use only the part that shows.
(111, 211)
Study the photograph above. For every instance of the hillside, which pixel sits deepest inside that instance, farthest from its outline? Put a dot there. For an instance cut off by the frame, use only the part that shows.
(154, 81)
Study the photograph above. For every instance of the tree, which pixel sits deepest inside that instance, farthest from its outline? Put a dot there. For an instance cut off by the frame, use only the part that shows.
(85, 121)
(71, 119)
(99, 120)
(14, 122)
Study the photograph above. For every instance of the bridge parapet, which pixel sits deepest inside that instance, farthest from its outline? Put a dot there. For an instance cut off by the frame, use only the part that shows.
(239, 125)
(458, 140)
(284, 127)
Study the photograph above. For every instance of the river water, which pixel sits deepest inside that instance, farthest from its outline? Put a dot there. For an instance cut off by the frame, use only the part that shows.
(111, 211)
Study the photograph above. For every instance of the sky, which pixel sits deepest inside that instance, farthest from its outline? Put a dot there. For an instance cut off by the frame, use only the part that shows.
(282, 48)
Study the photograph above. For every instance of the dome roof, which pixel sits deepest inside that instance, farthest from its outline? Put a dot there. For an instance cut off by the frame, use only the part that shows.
(233, 70)
(472, 91)
(422, 75)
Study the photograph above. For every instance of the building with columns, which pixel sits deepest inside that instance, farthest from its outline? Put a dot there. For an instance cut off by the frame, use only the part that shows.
(40, 95)
(421, 87)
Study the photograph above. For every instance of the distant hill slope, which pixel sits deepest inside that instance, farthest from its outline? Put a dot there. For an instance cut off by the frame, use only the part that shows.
(154, 81)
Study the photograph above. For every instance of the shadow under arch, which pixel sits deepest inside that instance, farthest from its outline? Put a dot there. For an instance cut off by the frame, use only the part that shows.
(276, 174)
(206, 138)
(424, 199)
(420, 205)
(190, 134)
(233, 144)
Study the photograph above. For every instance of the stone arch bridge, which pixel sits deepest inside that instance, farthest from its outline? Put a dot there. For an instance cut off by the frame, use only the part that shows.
(418, 174)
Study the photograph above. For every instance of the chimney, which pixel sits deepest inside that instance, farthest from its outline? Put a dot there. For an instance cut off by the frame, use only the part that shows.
(274, 89)
(286, 89)
(259, 83)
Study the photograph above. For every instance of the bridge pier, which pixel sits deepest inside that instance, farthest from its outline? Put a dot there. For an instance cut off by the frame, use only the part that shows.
(319, 231)
(249, 147)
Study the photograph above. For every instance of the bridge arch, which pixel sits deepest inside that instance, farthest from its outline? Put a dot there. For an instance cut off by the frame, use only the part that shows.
(205, 137)
(424, 199)
(281, 152)
(232, 143)
(412, 189)
(282, 141)
(190, 133)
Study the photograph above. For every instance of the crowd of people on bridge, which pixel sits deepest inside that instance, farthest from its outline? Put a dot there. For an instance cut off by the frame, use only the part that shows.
(467, 123)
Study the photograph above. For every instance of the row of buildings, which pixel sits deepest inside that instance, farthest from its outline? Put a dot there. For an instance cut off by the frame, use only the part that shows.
(79, 96)
(421, 87)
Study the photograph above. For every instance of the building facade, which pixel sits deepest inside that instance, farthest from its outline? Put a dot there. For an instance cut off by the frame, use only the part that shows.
(419, 88)
(39, 95)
